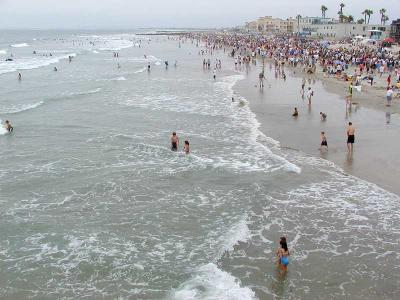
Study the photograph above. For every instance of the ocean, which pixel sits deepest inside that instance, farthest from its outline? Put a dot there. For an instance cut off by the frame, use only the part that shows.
(94, 204)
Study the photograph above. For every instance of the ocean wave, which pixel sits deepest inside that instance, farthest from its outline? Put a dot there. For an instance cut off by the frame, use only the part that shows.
(3, 51)
(3, 131)
(243, 112)
(16, 109)
(21, 45)
(29, 63)
(210, 283)
(140, 70)
(121, 78)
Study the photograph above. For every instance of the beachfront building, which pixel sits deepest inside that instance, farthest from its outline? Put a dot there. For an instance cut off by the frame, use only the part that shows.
(395, 30)
(268, 24)
(304, 24)
(335, 30)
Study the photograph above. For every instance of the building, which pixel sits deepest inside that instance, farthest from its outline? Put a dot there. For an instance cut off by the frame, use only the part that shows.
(395, 30)
(332, 29)
(304, 24)
(269, 24)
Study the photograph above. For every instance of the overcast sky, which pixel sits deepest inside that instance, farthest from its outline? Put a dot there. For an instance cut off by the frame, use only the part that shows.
(129, 14)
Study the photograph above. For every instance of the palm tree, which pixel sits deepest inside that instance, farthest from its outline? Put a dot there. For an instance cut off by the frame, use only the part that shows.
(323, 10)
(341, 12)
(369, 13)
(360, 21)
(350, 19)
(385, 19)
(298, 17)
(365, 13)
(382, 12)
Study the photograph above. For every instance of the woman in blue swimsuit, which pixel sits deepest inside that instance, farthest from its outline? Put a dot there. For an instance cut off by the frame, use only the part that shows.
(283, 255)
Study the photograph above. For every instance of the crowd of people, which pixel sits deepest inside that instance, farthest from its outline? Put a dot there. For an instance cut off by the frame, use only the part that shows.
(349, 61)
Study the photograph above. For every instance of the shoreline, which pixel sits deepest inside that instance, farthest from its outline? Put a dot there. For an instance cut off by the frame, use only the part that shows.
(374, 158)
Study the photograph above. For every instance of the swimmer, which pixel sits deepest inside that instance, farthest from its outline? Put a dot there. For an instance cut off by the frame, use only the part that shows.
(8, 126)
(295, 113)
(324, 142)
(174, 142)
(282, 254)
(215, 74)
(186, 148)
(148, 67)
(55, 69)
(323, 116)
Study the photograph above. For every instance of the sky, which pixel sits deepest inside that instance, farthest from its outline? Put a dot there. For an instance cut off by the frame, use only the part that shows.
(130, 14)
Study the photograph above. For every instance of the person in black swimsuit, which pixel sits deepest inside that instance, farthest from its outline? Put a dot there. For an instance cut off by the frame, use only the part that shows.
(174, 142)
(8, 126)
(324, 142)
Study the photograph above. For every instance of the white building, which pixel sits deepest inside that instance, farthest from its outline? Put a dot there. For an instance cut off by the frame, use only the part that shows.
(344, 30)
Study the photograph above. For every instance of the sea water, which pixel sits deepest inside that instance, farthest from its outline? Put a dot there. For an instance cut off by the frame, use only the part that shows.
(95, 204)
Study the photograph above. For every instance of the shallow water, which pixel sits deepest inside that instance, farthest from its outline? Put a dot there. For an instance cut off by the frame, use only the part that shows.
(94, 203)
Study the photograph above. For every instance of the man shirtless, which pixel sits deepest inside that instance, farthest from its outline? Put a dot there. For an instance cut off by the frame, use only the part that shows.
(350, 136)
(174, 142)
(8, 126)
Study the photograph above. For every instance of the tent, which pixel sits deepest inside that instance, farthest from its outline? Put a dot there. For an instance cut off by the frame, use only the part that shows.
(389, 40)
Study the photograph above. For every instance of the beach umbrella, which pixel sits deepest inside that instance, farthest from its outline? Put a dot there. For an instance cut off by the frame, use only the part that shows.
(389, 40)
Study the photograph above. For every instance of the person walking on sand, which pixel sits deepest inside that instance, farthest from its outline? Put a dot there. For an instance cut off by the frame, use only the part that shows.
(303, 84)
(282, 254)
(295, 113)
(350, 136)
(389, 95)
(351, 90)
(174, 142)
(310, 93)
(261, 79)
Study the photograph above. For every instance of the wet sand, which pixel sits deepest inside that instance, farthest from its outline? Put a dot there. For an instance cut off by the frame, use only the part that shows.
(375, 157)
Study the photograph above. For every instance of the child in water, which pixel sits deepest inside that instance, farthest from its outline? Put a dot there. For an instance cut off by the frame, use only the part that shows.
(8, 126)
(186, 147)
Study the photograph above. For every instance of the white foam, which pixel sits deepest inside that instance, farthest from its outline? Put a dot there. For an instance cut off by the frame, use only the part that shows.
(16, 109)
(237, 233)
(210, 283)
(94, 51)
(244, 112)
(3, 51)
(112, 43)
(19, 45)
(121, 78)
(140, 70)
(3, 131)
(29, 63)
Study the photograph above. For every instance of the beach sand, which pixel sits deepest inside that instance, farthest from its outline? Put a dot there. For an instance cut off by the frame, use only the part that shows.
(375, 156)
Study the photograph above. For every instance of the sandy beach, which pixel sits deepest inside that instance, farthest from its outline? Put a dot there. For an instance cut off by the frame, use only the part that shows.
(375, 157)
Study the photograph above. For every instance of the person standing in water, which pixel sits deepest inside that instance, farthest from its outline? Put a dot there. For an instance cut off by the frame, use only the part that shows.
(295, 113)
(174, 142)
(282, 254)
(324, 142)
(19, 76)
(8, 126)
(186, 147)
(350, 136)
